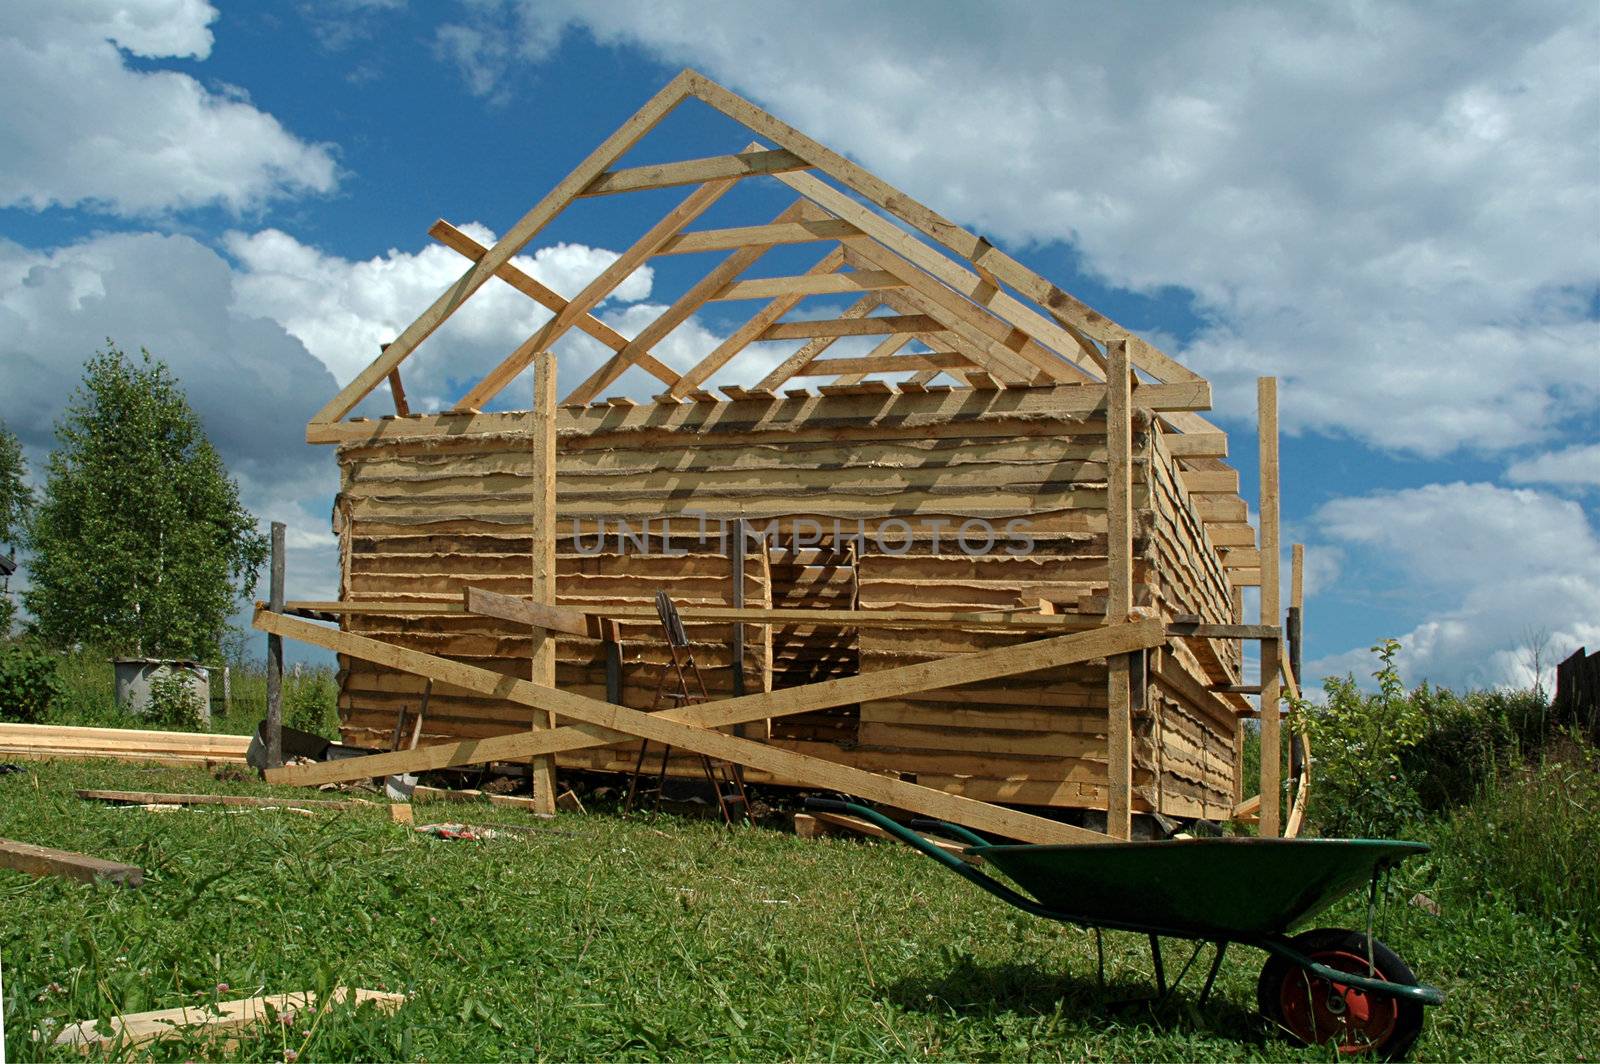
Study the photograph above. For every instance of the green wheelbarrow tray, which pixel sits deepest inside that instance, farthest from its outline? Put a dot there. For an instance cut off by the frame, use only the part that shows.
(1247, 890)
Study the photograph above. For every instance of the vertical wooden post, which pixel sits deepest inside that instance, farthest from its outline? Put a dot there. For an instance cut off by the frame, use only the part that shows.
(1271, 613)
(1119, 602)
(736, 562)
(275, 654)
(544, 561)
(1294, 633)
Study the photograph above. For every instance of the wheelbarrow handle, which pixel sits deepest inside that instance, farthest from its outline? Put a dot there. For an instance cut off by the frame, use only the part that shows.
(944, 827)
(928, 849)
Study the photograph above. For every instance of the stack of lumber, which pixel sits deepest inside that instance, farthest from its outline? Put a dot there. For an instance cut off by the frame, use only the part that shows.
(48, 742)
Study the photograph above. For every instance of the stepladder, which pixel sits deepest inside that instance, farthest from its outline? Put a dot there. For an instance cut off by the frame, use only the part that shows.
(680, 684)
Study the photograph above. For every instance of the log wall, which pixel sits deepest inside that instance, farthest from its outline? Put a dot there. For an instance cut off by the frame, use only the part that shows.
(850, 514)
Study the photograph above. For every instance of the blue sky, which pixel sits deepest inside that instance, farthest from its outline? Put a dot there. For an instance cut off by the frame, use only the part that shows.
(1394, 208)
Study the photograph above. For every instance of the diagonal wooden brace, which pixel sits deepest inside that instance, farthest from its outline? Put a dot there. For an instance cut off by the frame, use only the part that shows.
(687, 727)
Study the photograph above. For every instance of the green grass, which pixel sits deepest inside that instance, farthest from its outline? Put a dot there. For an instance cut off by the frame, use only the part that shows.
(602, 938)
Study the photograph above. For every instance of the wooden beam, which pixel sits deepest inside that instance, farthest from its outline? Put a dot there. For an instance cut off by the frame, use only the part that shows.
(1197, 445)
(1119, 600)
(1271, 738)
(758, 414)
(233, 800)
(515, 238)
(542, 592)
(786, 369)
(897, 682)
(187, 1021)
(802, 330)
(1210, 482)
(997, 264)
(747, 333)
(457, 241)
(1223, 631)
(830, 367)
(545, 616)
(684, 306)
(884, 348)
(972, 286)
(759, 236)
(696, 204)
(274, 721)
(397, 391)
(962, 336)
(825, 284)
(994, 331)
(605, 724)
(44, 861)
(694, 172)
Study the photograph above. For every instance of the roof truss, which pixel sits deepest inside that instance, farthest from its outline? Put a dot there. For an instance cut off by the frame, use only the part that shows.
(936, 298)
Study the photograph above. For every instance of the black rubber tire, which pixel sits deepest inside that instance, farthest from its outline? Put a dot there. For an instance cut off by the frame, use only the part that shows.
(1284, 985)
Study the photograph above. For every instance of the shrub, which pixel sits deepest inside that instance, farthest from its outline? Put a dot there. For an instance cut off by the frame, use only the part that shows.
(174, 703)
(28, 683)
(309, 705)
(1362, 786)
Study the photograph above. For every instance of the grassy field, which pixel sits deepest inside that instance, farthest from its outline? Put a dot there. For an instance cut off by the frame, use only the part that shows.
(597, 937)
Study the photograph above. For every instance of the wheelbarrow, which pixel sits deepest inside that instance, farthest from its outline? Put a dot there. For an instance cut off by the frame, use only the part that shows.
(1321, 986)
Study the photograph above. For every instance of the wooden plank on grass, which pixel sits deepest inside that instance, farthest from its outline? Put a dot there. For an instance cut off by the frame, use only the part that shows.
(140, 1028)
(612, 724)
(160, 798)
(44, 861)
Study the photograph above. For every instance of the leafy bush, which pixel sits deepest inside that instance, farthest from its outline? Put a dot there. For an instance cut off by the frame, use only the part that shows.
(174, 703)
(309, 704)
(1358, 742)
(28, 683)
(1471, 741)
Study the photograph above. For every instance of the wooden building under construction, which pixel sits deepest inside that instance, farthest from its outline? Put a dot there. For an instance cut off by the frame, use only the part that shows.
(992, 464)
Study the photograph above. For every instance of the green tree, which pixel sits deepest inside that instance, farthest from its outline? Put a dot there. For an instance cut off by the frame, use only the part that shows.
(15, 499)
(140, 545)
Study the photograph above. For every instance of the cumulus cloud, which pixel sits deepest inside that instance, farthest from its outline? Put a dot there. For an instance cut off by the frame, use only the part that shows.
(1577, 467)
(343, 310)
(82, 127)
(1489, 566)
(253, 385)
(1384, 205)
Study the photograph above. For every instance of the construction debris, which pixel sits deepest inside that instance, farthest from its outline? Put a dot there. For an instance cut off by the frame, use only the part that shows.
(43, 861)
(157, 798)
(232, 1016)
(49, 742)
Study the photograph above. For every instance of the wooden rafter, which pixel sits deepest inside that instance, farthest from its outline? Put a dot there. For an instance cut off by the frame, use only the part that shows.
(747, 333)
(786, 369)
(828, 367)
(1059, 368)
(456, 240)
(697, 203)
(966, 245)
(513, 241)
(675, 315)
(984, 352)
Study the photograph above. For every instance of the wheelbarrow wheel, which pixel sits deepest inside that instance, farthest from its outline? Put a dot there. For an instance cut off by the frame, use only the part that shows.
(1316, 1011)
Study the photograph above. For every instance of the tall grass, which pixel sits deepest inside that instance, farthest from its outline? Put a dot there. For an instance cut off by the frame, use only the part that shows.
(1530, 839)
(88, 697)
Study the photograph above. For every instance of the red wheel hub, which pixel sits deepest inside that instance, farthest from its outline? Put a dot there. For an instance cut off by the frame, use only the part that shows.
(1318, 1011)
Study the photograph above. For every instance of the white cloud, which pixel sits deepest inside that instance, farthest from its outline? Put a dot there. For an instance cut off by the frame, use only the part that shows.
(83, 128)
(343, 310)
(1486, 565)
(1393, 208)
(252, 384)
(1577, 466)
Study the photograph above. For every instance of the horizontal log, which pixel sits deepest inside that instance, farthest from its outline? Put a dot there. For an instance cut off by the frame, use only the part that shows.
(887, 325)
(694, 172)
(754, 236)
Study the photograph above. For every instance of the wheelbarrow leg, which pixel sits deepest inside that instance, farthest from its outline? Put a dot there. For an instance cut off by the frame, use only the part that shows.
(1211, 976)
(1161, 974)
